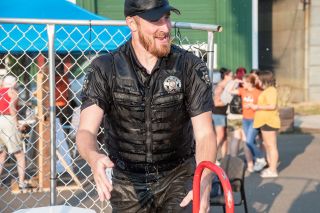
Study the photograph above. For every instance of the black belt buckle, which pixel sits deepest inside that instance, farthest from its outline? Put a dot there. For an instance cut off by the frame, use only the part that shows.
(147, 168)
(151, 168)
(121, 164)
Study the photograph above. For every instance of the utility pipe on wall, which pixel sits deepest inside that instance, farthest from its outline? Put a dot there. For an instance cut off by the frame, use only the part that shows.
(255, 34)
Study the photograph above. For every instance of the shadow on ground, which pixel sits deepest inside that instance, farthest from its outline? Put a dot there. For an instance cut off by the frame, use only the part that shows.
(307, 202)
(291, 146)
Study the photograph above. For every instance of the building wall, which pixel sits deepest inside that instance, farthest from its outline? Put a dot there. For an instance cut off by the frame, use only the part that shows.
(286, 55)
(314, 52)
(235, 41)
(289, 43)
(191, 11)
(89, 5)
(233, 44)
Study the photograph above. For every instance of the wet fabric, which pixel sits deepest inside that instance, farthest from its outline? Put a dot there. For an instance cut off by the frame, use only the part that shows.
(150, 135)
(148, 114)
(152, 192)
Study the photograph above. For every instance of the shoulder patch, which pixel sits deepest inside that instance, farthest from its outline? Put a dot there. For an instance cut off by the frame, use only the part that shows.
(89, 71)
(203, 73)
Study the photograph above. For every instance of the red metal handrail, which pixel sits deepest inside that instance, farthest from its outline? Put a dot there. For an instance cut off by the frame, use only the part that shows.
(228, 196)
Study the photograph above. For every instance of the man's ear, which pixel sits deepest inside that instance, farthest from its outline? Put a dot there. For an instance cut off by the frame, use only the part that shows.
(132, 23)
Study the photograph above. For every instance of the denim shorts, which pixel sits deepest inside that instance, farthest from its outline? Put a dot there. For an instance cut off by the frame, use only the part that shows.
(219, 120)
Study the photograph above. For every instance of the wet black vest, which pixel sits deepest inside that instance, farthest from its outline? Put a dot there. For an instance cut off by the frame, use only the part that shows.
(147, 115)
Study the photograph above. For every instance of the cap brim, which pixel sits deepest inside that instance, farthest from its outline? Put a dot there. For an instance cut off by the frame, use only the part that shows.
(156, 13)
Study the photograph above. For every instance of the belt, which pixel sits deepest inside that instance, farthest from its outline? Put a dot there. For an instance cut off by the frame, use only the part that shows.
(146, 168)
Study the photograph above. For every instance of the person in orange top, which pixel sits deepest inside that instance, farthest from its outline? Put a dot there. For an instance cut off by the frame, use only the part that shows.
(267, 119)
(249, 95)
(61, 90)
(63, 108)
(61, 93)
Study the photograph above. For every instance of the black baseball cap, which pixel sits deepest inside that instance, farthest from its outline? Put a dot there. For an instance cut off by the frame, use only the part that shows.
(151, 10)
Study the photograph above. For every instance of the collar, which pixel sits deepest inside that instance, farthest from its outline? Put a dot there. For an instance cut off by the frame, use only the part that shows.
(138, 66)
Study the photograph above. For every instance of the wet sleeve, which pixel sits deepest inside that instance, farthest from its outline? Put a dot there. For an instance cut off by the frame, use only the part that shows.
(198, 88)
(95, 88)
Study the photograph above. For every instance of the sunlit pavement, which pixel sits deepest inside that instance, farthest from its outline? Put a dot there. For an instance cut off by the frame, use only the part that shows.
(297, 189)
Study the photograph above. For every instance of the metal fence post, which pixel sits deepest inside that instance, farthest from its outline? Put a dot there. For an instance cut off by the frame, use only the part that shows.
(51, 51)
(210, 56)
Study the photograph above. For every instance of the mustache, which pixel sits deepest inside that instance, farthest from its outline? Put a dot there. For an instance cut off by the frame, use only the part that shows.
(161, 34)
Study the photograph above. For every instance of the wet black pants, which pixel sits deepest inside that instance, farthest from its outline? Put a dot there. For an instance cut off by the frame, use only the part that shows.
(152, 192)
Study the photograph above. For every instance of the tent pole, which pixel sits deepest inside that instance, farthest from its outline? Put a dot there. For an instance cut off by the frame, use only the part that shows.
(51, 51)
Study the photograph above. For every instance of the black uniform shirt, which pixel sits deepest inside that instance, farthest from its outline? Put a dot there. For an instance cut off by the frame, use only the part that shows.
(149, 114)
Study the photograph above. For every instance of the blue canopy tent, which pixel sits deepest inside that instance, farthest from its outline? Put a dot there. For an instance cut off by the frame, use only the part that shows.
(33, 38)
(18, 38)
(31, 41)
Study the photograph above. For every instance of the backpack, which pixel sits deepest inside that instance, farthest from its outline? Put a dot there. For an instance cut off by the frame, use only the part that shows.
(236, 105)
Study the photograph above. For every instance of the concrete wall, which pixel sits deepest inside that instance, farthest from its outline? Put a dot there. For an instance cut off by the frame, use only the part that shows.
(314, 52)
(294, 51)
(288, 46)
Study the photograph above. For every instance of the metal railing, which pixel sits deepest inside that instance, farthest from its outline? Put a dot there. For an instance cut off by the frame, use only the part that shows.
(48, 57)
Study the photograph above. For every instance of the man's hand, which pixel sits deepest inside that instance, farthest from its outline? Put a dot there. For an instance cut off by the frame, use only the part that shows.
(99, 163)
(204, 197)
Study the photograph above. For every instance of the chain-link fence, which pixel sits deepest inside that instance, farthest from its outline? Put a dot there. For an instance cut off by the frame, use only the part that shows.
(47, 59)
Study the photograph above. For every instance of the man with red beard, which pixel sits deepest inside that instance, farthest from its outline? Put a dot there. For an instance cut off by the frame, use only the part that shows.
(156, 99)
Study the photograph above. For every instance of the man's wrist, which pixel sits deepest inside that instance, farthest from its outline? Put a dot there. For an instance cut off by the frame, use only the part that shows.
(92, 157)
(207, 177)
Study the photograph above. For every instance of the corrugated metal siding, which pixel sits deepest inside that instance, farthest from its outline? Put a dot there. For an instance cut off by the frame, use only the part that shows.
(191, 11)
(111, 8)
(234, 43)
(88, 4)
(196, 12)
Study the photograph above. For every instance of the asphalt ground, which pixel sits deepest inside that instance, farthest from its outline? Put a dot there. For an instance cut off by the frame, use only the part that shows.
(296, 190)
